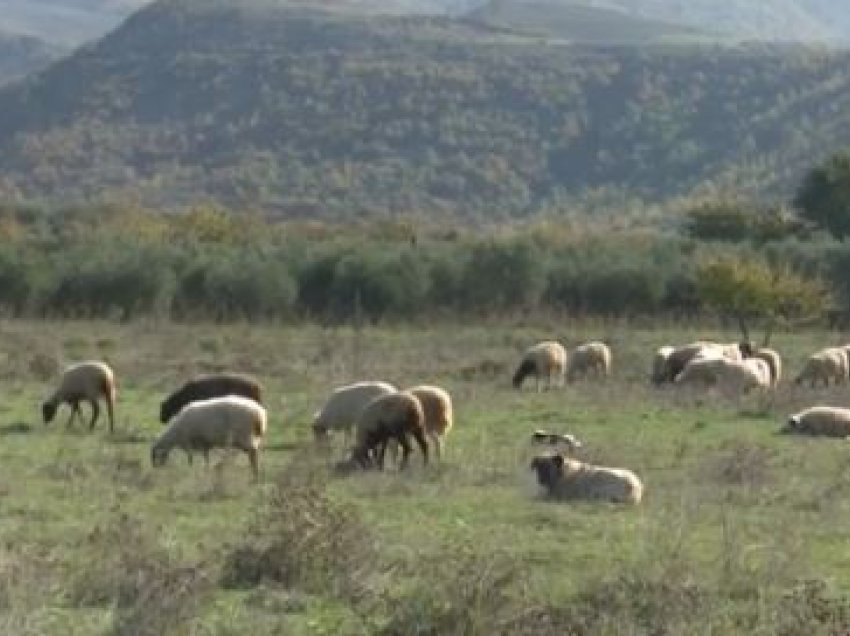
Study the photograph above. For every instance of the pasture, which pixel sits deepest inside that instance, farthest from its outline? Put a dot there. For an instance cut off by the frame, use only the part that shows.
(740, 529)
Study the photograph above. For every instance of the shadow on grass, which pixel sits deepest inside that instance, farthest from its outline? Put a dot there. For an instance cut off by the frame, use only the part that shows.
(129, 437)
(15, 428)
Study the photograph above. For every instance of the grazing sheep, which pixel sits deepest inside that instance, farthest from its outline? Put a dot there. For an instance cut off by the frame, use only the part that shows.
(565, 478)
(823, 366)
(740, 375)
(659, 364)
(87, 381)
(820, 420)
(204, 387)
(393, 416)
(230, 421)
(679, 358)
(344, 406)
(439, 418)
(774, 362)
(571, 442)
(545, 359)
(593, 357)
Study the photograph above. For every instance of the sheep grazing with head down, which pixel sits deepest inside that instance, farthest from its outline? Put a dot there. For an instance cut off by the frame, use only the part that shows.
(590, 358)
(397, 416)
(565, 478)
(439, 414)
(204, 387)
(823, 366)
(343, 407)
(230, 421)
(90, 381)
(544, 360)
(829, 421)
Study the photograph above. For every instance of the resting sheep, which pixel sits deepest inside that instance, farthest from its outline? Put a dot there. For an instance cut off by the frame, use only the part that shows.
(679, 357)
(593, 357)
(344, 406)
(774, 362)
(739, 375)
(565, 478)
(820, 420)
(543, 360)
(204, 387)
(89, 381)
(230, 421)
(823, 366)
(397, 416)
(546, 438)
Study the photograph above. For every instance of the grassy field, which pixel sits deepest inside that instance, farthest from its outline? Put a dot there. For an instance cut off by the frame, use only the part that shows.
(740, 529)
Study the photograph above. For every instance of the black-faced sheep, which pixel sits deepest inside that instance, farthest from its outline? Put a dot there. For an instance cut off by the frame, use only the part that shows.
(231, 421)
(89, 381)
(344, 406)
(544, 360)
(204, 387)
(592, 357)
(823, 366)
(396, 416)
(828, 421)
(565, 478)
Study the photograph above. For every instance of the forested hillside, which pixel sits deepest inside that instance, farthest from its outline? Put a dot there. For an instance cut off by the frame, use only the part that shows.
(308, 113)
(21, 55)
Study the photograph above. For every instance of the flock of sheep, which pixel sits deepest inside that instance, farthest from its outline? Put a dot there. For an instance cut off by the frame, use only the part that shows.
(225, 410)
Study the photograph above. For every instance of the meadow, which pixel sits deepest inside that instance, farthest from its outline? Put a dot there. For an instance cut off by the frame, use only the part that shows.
(740, 528)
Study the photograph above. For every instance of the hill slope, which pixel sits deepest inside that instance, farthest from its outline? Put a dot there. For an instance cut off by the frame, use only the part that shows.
(21, 55)
(309, 113)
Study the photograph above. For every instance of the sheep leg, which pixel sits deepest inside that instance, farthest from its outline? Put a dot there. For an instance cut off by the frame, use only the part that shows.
(438, 446)
(110, 412)
(406, 449)
(380, 452)
(95, 413)
(419, 436)
(253, 457)
(75, 408)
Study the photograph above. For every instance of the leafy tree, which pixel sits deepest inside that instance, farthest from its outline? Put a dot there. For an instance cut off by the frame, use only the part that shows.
(824, 196)
(753, 292)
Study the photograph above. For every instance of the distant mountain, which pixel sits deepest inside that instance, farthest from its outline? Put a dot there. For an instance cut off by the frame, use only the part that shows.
(65, 22)
(21, 55)
(306, 112)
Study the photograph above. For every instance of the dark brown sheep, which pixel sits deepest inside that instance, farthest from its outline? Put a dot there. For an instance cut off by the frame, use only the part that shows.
(397, 416)
(204, 387)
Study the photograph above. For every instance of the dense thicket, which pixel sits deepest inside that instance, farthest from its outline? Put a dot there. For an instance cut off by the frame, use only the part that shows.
(308, 113)
(207, 264)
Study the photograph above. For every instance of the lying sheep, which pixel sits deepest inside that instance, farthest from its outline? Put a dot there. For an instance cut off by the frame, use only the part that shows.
(820, 420)
(230, 421)
(204, 387)
(397, 416)
(543, 360)
(89, 381)
(739, 375)
(823, 366)
(344, 406)
(774, 362)
(593, 357)
(545, 438)
(564, 478)
(437, 407)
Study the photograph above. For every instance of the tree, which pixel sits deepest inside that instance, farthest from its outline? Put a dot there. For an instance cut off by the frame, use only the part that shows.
(824, 196)
(753, 292)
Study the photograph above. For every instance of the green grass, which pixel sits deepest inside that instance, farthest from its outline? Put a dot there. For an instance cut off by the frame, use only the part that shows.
(735, 517)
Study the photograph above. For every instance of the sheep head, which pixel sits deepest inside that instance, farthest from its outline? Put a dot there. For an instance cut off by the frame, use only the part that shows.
(48, 411)
(549, 469)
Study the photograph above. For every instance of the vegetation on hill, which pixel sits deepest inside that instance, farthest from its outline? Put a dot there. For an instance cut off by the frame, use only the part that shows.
(312, 114)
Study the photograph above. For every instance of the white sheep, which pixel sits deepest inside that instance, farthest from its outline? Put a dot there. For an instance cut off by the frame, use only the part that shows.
(230, 421)
(823, 366)
(592, 357)
(439, 413)
(89, 381)
(739, 375)
(774, 362)
(543, 360)
(565, 478)
(395, 416)
(678, 359)
(829, 421)
(344, 405)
